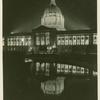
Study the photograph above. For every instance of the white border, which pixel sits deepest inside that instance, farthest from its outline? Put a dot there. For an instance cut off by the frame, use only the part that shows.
(1, 66)
(98, 50)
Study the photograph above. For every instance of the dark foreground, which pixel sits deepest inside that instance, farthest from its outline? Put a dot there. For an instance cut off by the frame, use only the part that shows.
(19, 83)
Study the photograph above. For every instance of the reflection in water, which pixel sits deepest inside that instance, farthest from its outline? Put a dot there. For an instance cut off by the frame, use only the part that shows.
(21, 84)
(53, 74)
(53, 86)
(48, 69)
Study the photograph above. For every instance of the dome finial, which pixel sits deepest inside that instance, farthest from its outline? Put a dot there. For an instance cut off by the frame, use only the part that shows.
(53, 2)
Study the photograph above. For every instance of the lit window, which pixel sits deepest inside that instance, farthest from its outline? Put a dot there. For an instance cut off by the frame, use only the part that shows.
(66, 68)
(47, 69)
(70, 68)
(94, 39)
(70, 40)
(78, 40)
(66, 40)
(58, 40)
(74, 69)
(47, 39)
(14, 42)
(82, 39)
(29, 40)
(94, 73)
(87, 40)
(78, 70)
(42, 40)
(24, 41)
(37, 66)
(11, 41)
(42, 66)
(37, 40)
(82, 70)
(17, 41)
(62, 40)
(58, 68)
(74, 40)
(62, 67)
(87, 71)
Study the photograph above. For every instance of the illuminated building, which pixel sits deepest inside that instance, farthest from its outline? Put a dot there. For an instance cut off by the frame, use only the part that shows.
(47, 69)
(18, 42)
(54, 87)
(51, 37)
(53, 17)
(51, 41)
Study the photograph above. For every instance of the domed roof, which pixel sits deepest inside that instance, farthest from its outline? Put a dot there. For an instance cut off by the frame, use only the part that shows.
(52, 9)
(53, 17)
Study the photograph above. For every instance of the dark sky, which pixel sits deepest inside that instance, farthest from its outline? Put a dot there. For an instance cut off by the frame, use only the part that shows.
(24, 15)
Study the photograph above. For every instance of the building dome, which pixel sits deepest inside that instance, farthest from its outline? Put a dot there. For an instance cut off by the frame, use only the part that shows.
(53, 17)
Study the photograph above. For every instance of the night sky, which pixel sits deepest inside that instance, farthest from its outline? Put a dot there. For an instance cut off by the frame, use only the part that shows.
(24, 15)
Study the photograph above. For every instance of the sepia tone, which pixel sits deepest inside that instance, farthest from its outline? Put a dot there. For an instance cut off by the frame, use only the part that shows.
(53, 60)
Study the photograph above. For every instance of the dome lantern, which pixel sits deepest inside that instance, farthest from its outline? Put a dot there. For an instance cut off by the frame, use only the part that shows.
(53, 2)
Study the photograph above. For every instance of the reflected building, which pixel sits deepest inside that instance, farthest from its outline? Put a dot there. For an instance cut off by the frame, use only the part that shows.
(53, 87)
(52, 75)
(51, 37)
(50, 69)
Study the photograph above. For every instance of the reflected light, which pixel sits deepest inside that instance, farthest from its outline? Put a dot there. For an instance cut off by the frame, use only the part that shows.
(53, 87)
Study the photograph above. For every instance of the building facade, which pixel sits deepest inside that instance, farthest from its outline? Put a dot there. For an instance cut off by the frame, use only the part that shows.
(51, 37)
